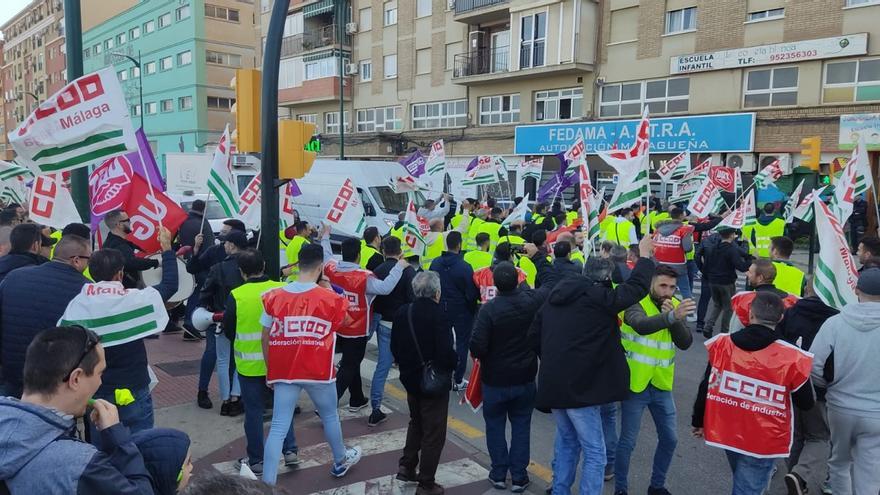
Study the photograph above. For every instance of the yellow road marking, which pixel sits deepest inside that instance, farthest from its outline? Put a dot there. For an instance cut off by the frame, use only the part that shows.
(395, 392)
(463, 428)
(541, 471)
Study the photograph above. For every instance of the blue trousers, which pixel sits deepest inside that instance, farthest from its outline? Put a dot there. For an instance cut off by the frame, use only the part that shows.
(578, 431)
(609, 430)
(662, 407)
(253, 396)
(462, 324)
(383, 366)
(751, 475)
(500, 404)
(209, 359)
(137, 416)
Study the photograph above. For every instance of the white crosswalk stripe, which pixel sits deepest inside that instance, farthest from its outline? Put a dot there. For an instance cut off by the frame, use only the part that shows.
(449, 475)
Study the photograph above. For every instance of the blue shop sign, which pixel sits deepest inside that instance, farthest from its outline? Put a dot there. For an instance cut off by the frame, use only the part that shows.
(721, 133)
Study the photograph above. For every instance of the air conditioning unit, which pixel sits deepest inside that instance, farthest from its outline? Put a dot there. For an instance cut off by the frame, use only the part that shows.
(743, 161)
(351, 69)
(351, 28)
(765, 159)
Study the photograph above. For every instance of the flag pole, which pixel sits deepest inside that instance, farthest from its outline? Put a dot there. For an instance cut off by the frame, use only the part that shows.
(205, 213)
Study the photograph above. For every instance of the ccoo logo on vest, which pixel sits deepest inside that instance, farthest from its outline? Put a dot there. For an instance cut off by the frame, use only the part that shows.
(302, 327)
(751, 389)
(352, 298)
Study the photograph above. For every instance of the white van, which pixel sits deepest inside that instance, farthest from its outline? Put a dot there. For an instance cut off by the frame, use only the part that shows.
(372, 178)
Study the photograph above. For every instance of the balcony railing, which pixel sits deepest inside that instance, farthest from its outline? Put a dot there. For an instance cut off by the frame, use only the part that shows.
(462, 6)
(483, 61)
(310, 40)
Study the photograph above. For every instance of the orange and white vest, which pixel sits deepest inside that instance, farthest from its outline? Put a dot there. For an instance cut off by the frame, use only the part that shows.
(742, 301)
(354, 285)
(668, 249)
(303, 334)
(748, 404)
(484, 280)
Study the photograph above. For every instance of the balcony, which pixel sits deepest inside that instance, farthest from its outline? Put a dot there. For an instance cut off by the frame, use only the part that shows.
(480, 11)
(488, 65)
(310, 40)
(486, 61)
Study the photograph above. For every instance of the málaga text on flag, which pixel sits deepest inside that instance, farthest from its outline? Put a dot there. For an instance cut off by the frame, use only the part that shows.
(743, 216)
(632, 167)
(413, 239)
(854, 180)
(835, 276)
(677, 166)
(792, 203)
(84, 123)
(221, 181)
(346, 212)
(118, 315)
(51, 203)
(483, 172)
(435, 166)
(768, 175)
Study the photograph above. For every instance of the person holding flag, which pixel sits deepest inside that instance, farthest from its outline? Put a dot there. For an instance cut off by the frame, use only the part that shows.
(430, 210)
(304, 232)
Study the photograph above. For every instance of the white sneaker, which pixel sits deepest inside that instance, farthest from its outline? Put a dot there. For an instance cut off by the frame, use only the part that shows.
(460, 386)
(352, 457)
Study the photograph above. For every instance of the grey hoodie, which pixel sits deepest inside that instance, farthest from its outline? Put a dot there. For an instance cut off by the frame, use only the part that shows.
(853, 336)
(39, 454)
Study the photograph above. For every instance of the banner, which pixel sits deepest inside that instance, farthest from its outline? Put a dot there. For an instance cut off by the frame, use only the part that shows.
(250, 204)
(51, 203)
(632, 167)
(118, 315)
(531, 169)
(84, 123)
(481, 171)
(221, 181)
(146, 211)
(679, 165)
(854, 180)
(836, 275)
(110, 186)
(518, 214)
(414, 243)
(743, 216)
(8, 170)
(414, 163)
(792, 203)
(435, 166)
(346, 212)
(725, 178)
(768, 175)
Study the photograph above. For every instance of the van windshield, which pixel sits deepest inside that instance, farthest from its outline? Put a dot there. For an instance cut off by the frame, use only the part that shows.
(392, 202)
(215, 211)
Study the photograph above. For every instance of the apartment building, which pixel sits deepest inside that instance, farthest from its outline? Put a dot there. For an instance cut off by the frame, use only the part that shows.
(188, 51)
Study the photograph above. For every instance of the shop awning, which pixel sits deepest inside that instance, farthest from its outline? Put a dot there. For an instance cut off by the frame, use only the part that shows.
(318, 8)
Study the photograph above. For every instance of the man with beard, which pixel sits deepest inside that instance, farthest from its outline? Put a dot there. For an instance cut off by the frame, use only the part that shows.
(120, 226)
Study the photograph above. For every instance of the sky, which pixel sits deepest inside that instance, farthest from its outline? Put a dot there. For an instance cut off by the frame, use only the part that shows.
(9, 8)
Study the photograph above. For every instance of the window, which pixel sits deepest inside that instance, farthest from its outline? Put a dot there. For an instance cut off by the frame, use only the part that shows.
(662, 96)
(108, 44)
(853, 3)
(533, 34)
(766, 15)
(221, 13)
(423, 61)
(136, 110)
(452, 49)
(150, 108)
(165, 20)
(150, 68)
(134, 33)
(87, 52)
(165, 63)
(184, 58)
(149, 27)
(853, 80)
(331, 122)
(120, 39)
(389, 66)
(439, 114)
(681, 21)
(311, 118)
(324, 67)
(366, 70)
(423, 8)
(122, 75)
(390, 17)
(135, 72)
(771, 87)
(365, 16)
(559, 104)
(97, 49)
(379, 119)
(182, 13)
(501, 109)
(166, 106)
(229, 59)
(185, 103)
(220, 103)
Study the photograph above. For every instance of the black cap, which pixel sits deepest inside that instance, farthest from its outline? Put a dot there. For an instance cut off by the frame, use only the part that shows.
(869, 282)
(505, 277)
(238, 238)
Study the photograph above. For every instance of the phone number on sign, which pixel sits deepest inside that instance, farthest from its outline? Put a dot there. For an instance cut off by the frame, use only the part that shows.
(793, 55)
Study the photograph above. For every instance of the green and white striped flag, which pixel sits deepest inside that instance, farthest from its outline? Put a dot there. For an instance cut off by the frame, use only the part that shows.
(854, 180)
(632, 167)
(804, 211)
(484, 172)
(118, 315)
(792, 203)
(435, 166)
(835, 277)
(13, 191)
(768, 175)
(84, 123)
(8, 170)
(221, 182)
(531, 169)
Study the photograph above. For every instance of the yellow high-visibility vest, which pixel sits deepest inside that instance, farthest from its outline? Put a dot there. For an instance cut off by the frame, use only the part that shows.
(248, 345)
(763, 234)
(651, 358)
(789, 278)
(292, 250)
(478, 259)
(367, 252)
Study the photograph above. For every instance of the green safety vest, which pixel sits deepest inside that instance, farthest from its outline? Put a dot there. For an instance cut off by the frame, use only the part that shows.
(473, 230)
(367, 252)
(577, 255)
(248, 345)
(433, 251)
(512, 239)
(651, 358)
(617, 232)
(788, 278)
(528, 267)
(478, 259)
(537, 219)
(571, 217)
(292, 251)
(763, 234)
(653, 218)
(492, 229)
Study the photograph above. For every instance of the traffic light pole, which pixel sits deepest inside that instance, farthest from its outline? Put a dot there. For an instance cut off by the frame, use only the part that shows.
(79, 178)
(269, 161)
(812, 248)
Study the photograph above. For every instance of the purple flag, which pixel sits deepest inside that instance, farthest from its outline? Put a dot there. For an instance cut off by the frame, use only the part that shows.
(144, 163)
(559, 182)
(414, 163)
(293, 189)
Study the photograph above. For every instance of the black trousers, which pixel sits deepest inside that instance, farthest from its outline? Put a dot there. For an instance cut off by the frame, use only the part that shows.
(425, 435)
(348, 377)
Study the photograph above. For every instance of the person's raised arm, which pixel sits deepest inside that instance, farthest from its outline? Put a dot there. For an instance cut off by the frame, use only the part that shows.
(324, 236)
(639, 282)
(378, 287)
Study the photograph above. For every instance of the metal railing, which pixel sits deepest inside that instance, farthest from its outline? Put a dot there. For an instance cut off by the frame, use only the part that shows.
(310, 40)
(462, 6)
(483, 61)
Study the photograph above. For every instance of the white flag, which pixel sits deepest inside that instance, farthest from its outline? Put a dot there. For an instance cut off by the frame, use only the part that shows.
(221, 182)
(13, 190)
(9, 170)
(804, 211)
(632, 168)
(768, 175)
(836, 276)
(51, 203)
(707, 199)
(518, 214)
(679, 165)
(347, 211)
(854, 180)
(414, 243)
(531, 168)
(792, 203)
(250, 204)
(485, 172)
(118, 315)
(435, 166)
(406, 183)
(741, 217)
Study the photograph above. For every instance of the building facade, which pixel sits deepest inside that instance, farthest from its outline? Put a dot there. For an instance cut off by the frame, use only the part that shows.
(188, 52)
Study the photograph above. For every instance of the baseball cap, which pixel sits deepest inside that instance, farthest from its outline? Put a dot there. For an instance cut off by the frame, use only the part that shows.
(869, 282)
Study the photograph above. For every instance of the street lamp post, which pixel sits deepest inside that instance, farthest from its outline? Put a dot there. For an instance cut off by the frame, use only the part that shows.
(137, 63)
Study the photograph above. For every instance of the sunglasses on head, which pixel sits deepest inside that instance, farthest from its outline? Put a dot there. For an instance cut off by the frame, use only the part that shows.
(90, 342)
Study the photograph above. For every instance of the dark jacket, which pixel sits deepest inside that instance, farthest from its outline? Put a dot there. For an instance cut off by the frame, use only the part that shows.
(32, 299)
(40, 453)
(751, 338)
(222, 278)
(207, 257)
(500, 337)
(133, 265)
(230, 312)
(721, 260)
(190, 228)
(434, 339)
(457, 288)
(801, 323)
(127, 363)
(577, 336)
(386, 306)
(15, 260)
(164, 451)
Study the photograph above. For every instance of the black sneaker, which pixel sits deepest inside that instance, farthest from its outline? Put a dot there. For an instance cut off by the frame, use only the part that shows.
(224, 409)
(236, 408)
(707, 334)
(355, 407)
(376, 417)
(609, 472)
(658, 491)
(795, 484)
(190, 336)
(406, 475)
(203, 400)
(519, 486)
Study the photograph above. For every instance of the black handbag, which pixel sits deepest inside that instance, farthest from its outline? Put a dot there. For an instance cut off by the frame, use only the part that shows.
(434, 380)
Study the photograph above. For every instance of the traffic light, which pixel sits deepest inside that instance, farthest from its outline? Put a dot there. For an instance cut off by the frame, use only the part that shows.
(293, 160)
(812, 152)
(826, 174)
(247, 86)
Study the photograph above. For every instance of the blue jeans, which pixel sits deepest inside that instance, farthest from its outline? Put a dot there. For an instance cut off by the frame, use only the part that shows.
(383, 366)
(662, 408)
(692, 273)
(578, 430)
(225, 368)
(137, 416)
(209, 359)
(684, 284)
(253, 396)
(323, 395)
(703, 303)
(751, 475)
(462, 323)
(609, 431)
(500, 404)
